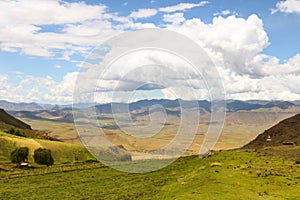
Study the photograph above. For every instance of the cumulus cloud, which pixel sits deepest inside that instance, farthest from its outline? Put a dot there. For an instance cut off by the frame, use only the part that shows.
(265, 65)
(231, 41)
(4, 85)
(287, 6)
(23, 23)
(182, 6)
(273, 86)
(29, 89)
(234, 44)
(63, 91)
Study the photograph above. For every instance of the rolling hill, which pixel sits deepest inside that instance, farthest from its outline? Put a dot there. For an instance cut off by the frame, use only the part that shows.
(19, 106)
(33, 139)
(8, 119)
(286, 132)
(62, 152)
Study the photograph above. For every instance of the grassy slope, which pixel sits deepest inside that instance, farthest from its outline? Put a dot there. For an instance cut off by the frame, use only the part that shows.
(62, 152)
(8, 119)
(287, 130)
(242, 175)
(62, 130)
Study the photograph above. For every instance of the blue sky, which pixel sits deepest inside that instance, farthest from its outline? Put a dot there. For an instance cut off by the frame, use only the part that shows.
(42, 43)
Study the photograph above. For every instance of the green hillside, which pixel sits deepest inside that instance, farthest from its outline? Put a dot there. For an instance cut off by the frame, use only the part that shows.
(285, 132)
(62, 152)
(227, 175)
(8, 119)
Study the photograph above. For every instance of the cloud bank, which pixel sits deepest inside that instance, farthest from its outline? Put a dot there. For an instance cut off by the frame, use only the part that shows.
(235, 44)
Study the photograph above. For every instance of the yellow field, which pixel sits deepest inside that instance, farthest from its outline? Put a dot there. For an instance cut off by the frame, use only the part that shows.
(239, 129)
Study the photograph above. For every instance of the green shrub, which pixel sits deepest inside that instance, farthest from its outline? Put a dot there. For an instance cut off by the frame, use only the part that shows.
(19, 155)
(17, 132)
(43, 156)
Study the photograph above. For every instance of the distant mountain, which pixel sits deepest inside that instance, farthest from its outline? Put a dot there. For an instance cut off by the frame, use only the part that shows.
(8, 119)
(171, 104)
(19, 106)
(279, 104)
(296, 102)
(241, 105)
(236, 105)
(285, 132)
(59, 114)
(141, 108)
(232, 105)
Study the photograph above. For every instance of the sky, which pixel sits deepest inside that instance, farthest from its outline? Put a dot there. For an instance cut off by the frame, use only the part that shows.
(253, 44)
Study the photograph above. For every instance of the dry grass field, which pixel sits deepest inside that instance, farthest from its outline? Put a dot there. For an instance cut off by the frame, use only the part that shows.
(239, 128)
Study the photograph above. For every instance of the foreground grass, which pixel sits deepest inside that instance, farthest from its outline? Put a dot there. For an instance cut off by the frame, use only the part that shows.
(226, 175)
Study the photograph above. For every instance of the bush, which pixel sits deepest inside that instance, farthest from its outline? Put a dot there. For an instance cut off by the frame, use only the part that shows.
(17, 132)
(19, 155)
(43, 156)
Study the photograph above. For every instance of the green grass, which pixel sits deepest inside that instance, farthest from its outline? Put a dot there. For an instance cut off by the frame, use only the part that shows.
(237, 175)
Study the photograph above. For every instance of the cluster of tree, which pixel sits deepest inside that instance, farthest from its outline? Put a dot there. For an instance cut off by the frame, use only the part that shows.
(16, 132)
(41, 156)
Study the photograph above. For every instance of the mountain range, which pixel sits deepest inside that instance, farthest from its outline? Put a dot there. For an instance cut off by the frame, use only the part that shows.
(139, 108)
(232, 105)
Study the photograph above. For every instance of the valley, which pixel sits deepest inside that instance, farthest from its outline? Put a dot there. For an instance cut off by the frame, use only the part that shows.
(242, 159)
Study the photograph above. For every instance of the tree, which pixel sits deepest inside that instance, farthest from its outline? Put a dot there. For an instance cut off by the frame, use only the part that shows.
(19, 155)
(43, 156)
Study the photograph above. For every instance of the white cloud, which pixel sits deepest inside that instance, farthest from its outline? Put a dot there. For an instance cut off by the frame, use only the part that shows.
(143, 13)
(59, 29)
(230, 41)
(234, 43)
(287, 6)
(176, 18)
(273, 87)
(264, 65)
(139, 25)
(76, 27)
(29, 89)
(183, 6)
(224, 13)
(58, 67)
(63, 91)
(4, 86)
(48, 12)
